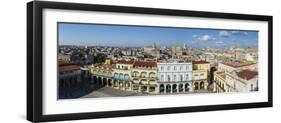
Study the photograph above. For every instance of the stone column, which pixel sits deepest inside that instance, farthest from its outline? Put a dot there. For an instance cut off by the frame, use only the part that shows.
(178, 88)
(157, 88)
(190, 87)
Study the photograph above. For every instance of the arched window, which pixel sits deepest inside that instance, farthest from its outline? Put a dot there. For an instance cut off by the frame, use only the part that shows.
(135, 73)
(126, 77)
(202, 85)
(116, 76)
(174, 88)
(186, 87)
(152, 75)
(143, 74)
(180, 87)
(168, 88)
(121, 76)
(196, 86)
(161, 88)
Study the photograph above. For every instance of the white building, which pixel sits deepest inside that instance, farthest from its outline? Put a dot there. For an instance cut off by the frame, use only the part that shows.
(236, 77)
(174, 77)
(243, 81)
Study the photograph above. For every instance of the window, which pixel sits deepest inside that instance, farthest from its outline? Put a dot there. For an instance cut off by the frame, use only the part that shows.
(187, 77)
(175, 77)
(143, 74)
(181, 78)
(168, 68)
(180, 67)
(162, 78)
(175, 67)
(169, 78)
(196, 86)
(126, 76)
(162, 68)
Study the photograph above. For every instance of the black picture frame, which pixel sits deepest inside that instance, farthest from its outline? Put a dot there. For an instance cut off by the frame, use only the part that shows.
(35, 69)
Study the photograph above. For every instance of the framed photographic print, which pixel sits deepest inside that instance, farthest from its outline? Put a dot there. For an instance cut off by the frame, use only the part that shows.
(96, 61)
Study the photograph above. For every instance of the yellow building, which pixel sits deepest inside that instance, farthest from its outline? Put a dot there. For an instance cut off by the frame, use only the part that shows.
(122, 74)
(200, 75)
(220, 84)
(108, 61)
(144, 76)
(102, 74)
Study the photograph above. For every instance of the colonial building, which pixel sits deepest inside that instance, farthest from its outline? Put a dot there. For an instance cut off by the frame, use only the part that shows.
(200, 75)
(102, 74)
(220, 84)
(234, 66)
(243, 81)
(122, 74)
(69, 77)
(144, 76)
(236, 77)
(174, 77)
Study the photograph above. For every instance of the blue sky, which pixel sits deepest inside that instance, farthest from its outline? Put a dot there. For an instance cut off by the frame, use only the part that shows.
(139, 36)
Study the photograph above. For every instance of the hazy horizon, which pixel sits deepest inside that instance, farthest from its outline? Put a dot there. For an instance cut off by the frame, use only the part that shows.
(141, 36)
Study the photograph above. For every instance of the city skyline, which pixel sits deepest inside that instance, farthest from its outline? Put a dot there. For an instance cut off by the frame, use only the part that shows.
(140, 36)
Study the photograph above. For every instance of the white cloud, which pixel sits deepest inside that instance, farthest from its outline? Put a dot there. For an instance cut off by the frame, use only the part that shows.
(224, 33)
(205, 38)
(194, 36)
(219, 42)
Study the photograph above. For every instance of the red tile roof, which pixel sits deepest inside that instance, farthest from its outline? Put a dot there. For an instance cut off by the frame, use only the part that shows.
(145, 63)
(124, 62)
(67, 66)
(107, 66)
(237, 64)
(247, 74)
(200, 62)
